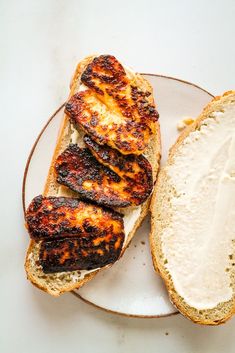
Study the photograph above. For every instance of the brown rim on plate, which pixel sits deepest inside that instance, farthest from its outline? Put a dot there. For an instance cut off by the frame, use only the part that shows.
(24, 206)
(180, 80)
(138, 316)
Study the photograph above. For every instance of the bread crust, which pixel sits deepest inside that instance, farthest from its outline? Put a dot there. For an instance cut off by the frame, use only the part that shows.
(153, 153)
(204, 317)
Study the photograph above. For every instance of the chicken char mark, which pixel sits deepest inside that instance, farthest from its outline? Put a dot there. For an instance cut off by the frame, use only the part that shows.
(113, 110)
(57, 217)
(104, 175)
(74, 235)
(80, 253)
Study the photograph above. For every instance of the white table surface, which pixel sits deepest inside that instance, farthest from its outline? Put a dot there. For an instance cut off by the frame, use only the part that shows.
(41, 42)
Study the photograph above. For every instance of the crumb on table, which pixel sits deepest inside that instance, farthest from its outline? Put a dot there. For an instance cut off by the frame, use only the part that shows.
(183, 123)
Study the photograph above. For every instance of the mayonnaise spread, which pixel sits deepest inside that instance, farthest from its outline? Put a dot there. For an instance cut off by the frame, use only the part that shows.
(198, 244)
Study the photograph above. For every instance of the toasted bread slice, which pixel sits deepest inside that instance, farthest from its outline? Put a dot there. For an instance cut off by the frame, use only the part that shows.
(58, 283)
(193, 216)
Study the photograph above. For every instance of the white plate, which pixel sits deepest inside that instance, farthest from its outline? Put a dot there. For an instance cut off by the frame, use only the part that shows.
(130, 286)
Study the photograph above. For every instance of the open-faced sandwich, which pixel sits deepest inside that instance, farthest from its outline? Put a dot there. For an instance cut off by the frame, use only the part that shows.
(101, 177)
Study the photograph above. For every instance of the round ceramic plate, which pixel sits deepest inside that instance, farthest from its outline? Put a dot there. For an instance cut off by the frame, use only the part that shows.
(130, 287)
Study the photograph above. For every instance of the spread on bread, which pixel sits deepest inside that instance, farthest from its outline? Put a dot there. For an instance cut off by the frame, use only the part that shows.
(106, 168)
(205, 196)
(193, 216)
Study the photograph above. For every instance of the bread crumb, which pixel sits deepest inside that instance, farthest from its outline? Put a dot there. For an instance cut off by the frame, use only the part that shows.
(166, 333)
(143, 242)
(183, 123)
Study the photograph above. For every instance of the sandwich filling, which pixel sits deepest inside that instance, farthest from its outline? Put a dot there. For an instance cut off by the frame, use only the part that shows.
(104, 175)
(112, 109)
(105, 167)
(198, 242)
(74, 235)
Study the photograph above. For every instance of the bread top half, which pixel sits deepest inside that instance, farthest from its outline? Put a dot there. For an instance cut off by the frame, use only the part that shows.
(194, 212)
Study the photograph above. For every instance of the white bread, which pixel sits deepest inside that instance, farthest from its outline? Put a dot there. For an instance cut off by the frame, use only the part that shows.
(193, 216)
(58, 283)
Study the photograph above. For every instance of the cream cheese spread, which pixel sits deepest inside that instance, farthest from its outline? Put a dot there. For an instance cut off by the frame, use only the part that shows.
(131, 215)
(199, 242)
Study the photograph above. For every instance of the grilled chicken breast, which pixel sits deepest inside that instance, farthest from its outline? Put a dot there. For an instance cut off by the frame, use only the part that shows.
(86, 253)
(120, 181)
(112, 109)
(131, 167)
(74, 235)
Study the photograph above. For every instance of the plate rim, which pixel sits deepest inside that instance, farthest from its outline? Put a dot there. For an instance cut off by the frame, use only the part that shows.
(120, 313)
(31, 154)
(75, 293)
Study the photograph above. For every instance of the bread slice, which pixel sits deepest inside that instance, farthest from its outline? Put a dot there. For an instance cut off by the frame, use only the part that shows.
(58, 283)
(193, 216)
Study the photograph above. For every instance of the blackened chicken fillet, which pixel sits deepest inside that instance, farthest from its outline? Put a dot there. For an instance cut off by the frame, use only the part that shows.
(73, 234)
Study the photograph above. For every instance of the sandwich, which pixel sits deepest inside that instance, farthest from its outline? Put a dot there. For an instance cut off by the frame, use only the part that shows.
(99, 184)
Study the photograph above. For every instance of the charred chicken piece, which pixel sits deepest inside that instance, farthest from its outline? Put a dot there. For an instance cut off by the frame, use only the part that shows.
(136, 171)
(113, 110)
(77, 169)
(118, 182)
(57, 217)
(80, 253)
(74, 235)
